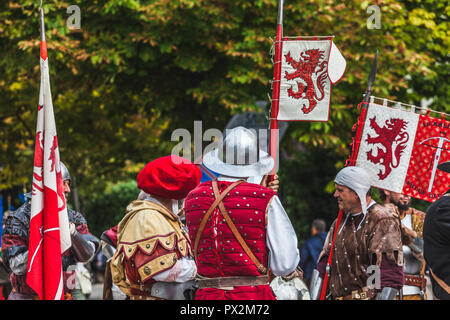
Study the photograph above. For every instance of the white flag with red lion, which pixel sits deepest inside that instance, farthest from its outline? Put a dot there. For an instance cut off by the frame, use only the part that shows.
(309, 68)
(402, 149)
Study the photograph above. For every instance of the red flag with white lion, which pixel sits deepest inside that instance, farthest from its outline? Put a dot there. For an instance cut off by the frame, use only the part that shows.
(49, 223)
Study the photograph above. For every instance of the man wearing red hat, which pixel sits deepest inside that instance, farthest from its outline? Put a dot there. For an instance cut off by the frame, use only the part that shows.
(239, 230)
(154, 259)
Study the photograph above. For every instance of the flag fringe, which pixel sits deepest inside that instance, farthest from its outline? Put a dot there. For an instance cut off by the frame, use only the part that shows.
(412, 108)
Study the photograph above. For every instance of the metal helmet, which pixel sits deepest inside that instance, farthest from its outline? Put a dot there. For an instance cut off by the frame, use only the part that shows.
(64, 172)
(242, 155)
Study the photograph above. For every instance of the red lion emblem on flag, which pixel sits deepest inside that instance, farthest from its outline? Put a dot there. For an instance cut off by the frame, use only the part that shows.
(304, 69)
(391, 134)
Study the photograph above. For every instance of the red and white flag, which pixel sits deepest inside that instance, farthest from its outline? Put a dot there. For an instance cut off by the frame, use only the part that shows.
(402, 149)
(309, 68)
(49, 224)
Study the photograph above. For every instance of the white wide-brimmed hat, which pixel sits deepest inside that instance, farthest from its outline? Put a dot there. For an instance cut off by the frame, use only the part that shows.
(243, 158)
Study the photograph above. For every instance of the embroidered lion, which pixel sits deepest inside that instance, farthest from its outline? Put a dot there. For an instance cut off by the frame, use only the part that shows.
(304, 69)
(392, 134)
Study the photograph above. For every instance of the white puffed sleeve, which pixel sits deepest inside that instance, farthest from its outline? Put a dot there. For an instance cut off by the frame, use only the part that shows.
(281, 240)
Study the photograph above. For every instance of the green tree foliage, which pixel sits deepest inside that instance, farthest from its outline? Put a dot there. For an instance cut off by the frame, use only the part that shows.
(303, 179)
(137, 70)
(105, 210)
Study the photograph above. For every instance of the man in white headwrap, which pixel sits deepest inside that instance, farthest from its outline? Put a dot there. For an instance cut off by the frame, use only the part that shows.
(368, 235)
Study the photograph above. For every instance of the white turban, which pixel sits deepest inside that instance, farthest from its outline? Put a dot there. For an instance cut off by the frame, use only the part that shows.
(358, 180)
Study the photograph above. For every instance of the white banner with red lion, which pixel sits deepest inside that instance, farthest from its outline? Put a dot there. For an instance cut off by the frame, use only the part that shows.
(401, 149)
(308, 70)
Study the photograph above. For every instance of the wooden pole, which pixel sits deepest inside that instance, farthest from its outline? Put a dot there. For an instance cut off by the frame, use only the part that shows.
(273, 146)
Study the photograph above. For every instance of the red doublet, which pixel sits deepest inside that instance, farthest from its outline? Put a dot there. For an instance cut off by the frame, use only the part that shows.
(219, 253)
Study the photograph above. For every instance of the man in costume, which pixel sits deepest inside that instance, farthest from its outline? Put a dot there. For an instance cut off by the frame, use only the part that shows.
(239, 230)
(436, 236)
(153, 259)
(109, 245)
(368, 235)
(412, 227)
(15, 246)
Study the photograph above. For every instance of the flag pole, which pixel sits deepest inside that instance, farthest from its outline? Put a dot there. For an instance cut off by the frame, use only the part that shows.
(43, 48)
(273, 146)
(49, 233)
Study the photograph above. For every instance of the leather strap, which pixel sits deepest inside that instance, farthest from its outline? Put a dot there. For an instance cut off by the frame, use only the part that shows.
(230, 282)
(144, 298)
(363, 294)
(141, 290)
(422, 270)
(210, 211)
(441, 283)
(237, 235)
(416, 281)
(422, 275)
(145, 288)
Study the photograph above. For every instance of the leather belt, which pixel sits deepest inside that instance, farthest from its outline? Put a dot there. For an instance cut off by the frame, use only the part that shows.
(416, 281)
(144, 298)
(230, 282)
(364, 294)
(140, 290)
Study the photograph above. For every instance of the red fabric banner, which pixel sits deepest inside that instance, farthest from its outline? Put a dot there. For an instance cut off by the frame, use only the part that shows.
(49, 234)
(402, 150)
(431, 147)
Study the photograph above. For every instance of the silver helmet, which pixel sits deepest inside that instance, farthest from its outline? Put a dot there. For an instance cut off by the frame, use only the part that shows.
(64, 172)
(239, 155)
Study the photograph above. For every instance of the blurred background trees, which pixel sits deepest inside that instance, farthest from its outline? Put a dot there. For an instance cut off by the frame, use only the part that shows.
(137, 70)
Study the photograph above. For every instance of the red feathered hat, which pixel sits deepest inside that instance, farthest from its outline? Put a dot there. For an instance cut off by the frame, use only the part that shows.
(170, 177)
